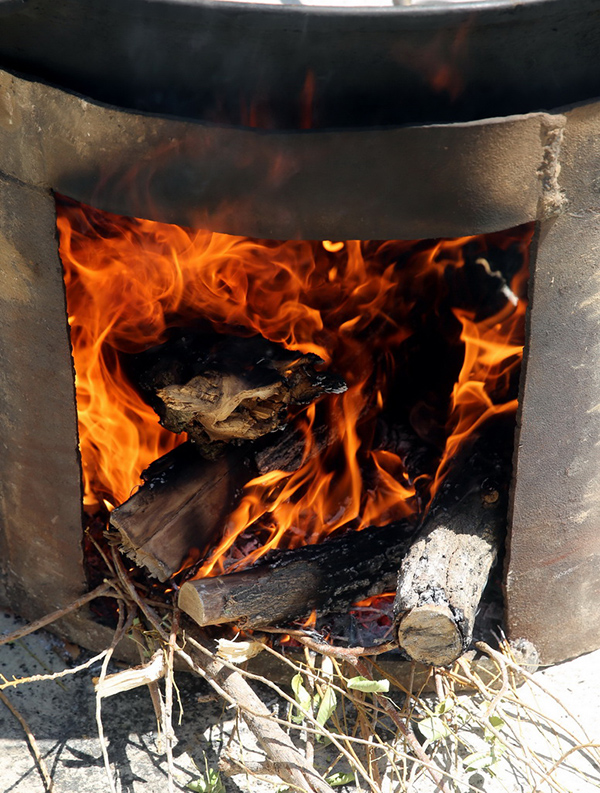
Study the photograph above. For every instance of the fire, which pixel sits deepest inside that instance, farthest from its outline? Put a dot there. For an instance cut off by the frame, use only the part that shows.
(128, 281)
(492, 355)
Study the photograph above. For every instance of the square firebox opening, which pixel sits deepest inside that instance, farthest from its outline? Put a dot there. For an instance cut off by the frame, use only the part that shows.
(306, 391)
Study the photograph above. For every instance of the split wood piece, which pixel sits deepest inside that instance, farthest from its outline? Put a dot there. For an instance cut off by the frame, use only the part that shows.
(442, 577)
(288, 585)
(186, 499)
(221, 389)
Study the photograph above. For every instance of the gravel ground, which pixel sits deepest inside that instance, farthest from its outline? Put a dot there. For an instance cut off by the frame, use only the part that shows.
(61, 715)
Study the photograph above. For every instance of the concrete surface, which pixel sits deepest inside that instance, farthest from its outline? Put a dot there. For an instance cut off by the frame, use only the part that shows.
(61, 715)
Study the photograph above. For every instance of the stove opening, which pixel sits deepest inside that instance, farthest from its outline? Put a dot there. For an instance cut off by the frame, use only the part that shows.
(294, 416)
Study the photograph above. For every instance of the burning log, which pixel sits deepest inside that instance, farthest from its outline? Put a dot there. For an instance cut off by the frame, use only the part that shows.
(222, 389)
(182, 502)
(419, 458)
(288, 585)
(442, 577)
(185, 499)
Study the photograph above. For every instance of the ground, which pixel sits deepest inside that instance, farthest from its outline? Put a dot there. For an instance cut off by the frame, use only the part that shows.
(62, 716)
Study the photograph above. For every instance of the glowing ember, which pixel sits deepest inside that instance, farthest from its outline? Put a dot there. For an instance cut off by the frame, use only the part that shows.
(373, 617)
(354, 304)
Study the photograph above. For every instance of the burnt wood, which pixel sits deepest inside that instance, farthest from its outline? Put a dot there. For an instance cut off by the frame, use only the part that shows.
(222, 388)
(182, 505)
(288, 585)
(185, 499)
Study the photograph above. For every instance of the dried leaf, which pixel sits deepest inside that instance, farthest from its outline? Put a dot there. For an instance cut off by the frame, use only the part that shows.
(236, 652)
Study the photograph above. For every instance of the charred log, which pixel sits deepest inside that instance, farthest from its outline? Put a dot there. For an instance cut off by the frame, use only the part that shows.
(288, 585)
(419, 458)
(183, 502)
(443, 576)
(222, 389)
(185, 499)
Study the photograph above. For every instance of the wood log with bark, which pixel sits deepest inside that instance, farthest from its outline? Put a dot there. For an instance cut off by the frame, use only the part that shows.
(183, 504)
(228, 389)
(443, 576)
(288, 585)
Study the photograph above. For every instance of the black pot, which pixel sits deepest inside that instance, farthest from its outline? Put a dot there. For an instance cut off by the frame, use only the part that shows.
(297, 67)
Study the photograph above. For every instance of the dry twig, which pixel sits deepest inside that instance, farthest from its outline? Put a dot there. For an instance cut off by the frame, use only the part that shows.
(100, 591)
(123, 626)
(48, 783)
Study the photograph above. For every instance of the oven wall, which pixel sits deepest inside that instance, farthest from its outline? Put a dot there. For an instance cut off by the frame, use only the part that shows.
(40, 479)
(553, 574)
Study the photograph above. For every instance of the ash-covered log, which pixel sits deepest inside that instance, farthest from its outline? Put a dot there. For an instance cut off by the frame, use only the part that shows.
(222, 389)
(288, 585)
(443, 576)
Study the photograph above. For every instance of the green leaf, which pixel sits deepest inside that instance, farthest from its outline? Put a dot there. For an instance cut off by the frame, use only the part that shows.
(303, 698)
(335, 780)
(444, 707)
(497, 748)
(433, 728)
(209, 783)
(478, 760)
(497, 723)
(327, 706)
(198, 786)
(369, 686)
(486, 758)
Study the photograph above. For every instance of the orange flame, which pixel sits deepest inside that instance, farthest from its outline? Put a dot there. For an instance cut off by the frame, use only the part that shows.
(128, 281)
(493, 351)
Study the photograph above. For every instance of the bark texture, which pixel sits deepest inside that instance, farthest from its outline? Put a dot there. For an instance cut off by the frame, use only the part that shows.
(443, 576)
(228, 389)
(183, 505)
(290, 584)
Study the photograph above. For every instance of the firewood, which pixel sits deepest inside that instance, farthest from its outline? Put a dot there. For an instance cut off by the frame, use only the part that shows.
(291, 765)
(182, 503)
(288, 585)
(186, 498)
(222, 389)
(419, 458)
(443, 576)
